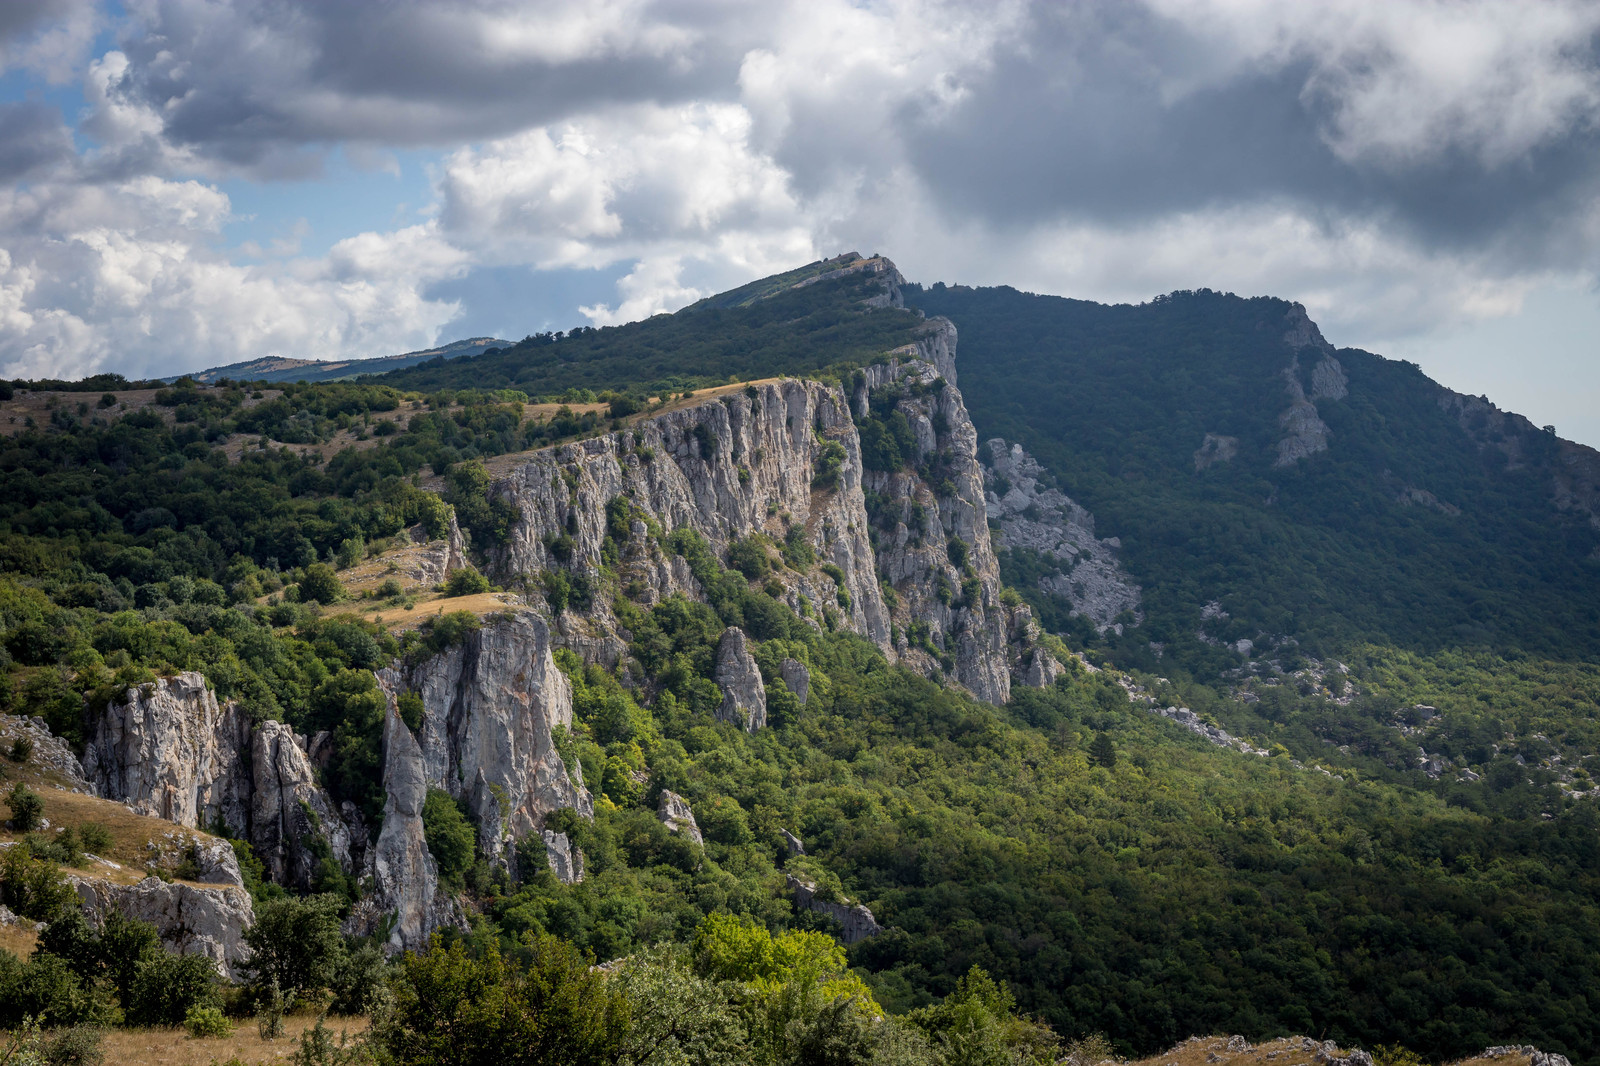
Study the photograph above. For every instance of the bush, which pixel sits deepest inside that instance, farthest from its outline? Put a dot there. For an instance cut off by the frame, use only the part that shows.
(27, 808)
(321, 584)
(77, 1046)
(295, 946)
(466, 582)
(206, 1021)
(94, 837)
(167, 987)
(21, 749)
(33, 888)
(450, 836)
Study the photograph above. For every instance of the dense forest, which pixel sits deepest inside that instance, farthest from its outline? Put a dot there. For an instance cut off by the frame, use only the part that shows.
(1069, 860)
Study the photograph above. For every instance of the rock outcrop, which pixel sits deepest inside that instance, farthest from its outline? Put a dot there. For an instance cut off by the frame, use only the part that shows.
(168, 749)
(796, 678)
(566, 861)
(674, 812)
(190, 920)
(404, 874)
(1034, 515)
(856, 922)
(1304, 432)
(50, 752)
(744, 695)
(288, 809)
(490, 706)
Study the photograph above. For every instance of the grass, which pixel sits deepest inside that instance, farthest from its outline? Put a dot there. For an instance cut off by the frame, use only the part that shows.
(1285, 1051)
(174, 1047)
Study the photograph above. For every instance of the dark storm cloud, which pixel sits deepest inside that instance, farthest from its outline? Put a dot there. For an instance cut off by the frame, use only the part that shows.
(1079, 120)
(241, 82)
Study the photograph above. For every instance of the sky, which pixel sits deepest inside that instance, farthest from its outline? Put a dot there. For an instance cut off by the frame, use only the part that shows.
(189, 183)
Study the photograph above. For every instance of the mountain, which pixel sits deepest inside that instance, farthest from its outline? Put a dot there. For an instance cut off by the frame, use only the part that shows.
(838, 646)
(280, 368)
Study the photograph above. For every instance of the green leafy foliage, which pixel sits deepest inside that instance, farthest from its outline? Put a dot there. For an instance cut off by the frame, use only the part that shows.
(450, 835)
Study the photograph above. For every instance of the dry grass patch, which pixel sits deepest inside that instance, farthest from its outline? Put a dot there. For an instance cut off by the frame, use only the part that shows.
(174, 1047)
(398, 619)
(1285, 1051)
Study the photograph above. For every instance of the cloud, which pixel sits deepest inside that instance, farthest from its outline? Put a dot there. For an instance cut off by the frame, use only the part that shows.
(50, 37)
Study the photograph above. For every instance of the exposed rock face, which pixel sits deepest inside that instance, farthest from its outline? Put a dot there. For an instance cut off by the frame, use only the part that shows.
(49, 750)
(566, 861)
(191, 921)
(217, 863)
(1304, 432)
(169, 750)
(287, 807)
(796, 678)
(1033, 514)
(793, 843)
(403, 870)
(674, 812)
(682, 470)
(433, 564)
(1215, 448)
(490, 705)
(948, 595)
(1042, 670)
(855, 920)
(744, 696)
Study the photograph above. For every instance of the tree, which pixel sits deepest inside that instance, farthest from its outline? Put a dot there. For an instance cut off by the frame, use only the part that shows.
(295, 944)
(27, 808)
(466, 582)
(320, 583)
(450, 836)
(1102, 751)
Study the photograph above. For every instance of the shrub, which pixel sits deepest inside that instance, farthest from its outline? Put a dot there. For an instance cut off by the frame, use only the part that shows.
(295, 946)
(466, 582)
(206, 1021)
(76, 1046)
(321, 584)
(167, 987)
(94, 837)
(449, 835)
(411, 709)
(21, 749)
(27, 808)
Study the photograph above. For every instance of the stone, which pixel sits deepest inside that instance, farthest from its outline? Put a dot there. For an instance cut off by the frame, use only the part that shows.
(674, 812)
(1042, 670)
(207, 921)
(217, 863)
(491, 705)
(796, 678)
(405, 876)
(168, 749)
(288, 809)
(49, 750)
(744, 695)
(793, 843)
(855, 920)
(566, 861)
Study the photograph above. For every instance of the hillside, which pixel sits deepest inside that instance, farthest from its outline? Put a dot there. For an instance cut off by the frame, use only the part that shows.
(283, 369)
(761, 655)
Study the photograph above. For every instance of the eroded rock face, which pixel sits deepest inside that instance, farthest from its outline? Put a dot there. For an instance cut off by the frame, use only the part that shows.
(169, 750)
(490, 705)
(948, 608)
(403, 871)
(724, 468)
(744, 695)
(1034, 514)
(1304, 432)
(674, 812)
(796, 678)
(49, 750)
(855, 919)
(191, 921)
(566, 861)
(288, 807)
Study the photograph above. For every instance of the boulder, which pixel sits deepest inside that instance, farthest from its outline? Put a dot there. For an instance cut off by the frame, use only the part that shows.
(674, 812)
(793, 843)
(744, 695)
(797, 678)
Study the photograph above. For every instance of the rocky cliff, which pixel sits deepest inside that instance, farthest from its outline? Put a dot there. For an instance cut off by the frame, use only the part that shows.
(783, 459)
(205, 920)
(169, 749)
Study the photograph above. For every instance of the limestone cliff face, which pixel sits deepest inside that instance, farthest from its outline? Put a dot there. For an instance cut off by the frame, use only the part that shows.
(490, 705)
(725, 468)
(784, 459)
(1032, 513)
(1304, 432)
(933, 544)
(170, 750)
(404, 874)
